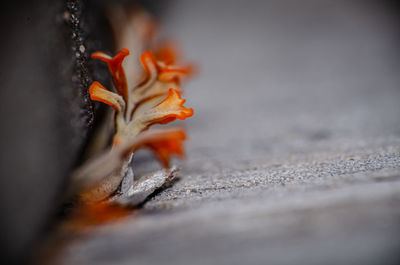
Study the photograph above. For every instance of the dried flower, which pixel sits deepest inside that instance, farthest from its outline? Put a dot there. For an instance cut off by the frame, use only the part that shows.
(155, 100)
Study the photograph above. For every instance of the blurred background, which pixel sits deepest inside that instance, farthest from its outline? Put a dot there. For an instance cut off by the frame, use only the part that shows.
(292, 98)
(277, 74)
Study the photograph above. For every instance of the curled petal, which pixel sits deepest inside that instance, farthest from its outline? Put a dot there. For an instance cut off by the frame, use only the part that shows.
(154, 66)
(164, 143)
(148, 60)
(151, 86)
(172, 108)
(174, 73)
(160, 78)
(166, 53)
(116, 69)
(168, 110)
(158, 109)
(99, 93)
(149, 64)
(102, 56)
(157, 88)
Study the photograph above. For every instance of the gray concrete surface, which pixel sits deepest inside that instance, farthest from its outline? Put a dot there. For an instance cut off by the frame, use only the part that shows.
(294, 149)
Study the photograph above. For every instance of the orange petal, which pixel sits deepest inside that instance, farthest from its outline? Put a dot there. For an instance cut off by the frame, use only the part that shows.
(99, 93)
(164, 148)
(166, 53)
(164, 143)
(158, 109)
(169, 109)
(174, 73)
(160, 77)
(149, 63)
(151, 86)
(116, 69)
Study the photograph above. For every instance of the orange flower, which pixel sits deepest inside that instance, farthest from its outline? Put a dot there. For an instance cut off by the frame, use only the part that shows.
(138, 104)
(156, 100)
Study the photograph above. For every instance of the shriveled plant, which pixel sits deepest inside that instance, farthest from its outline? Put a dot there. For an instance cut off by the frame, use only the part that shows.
(154, 100)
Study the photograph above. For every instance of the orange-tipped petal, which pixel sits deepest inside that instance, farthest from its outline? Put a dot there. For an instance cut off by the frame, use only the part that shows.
(169, 109)
(174, 73)
(156, 88)
(160, 78)
(165, 147)
(149, 62)
(151, 86)
(158, 109)
(116, 69)
(167, 53)
(99, 93)
(164, 143)
(102, 56)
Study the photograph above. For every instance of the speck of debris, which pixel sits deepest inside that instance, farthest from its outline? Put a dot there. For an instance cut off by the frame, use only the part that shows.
(82, 48)
(66, 16)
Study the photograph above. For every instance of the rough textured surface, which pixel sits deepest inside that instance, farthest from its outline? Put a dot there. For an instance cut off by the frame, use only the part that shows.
(45, 112)
(41, 120)
(294, 150)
